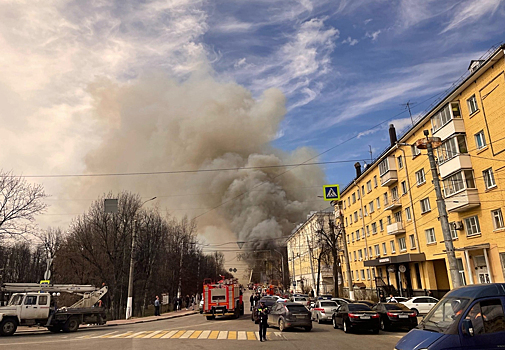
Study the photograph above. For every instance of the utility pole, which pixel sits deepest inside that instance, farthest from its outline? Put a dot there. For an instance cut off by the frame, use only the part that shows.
(346, 253)
(129, 302)
(428, 143)
(311, 264)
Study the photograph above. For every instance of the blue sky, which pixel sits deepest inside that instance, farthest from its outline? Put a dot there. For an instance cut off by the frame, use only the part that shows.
(343, 66)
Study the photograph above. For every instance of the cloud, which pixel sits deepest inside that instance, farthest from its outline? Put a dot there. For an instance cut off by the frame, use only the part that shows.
(373, 35)
(350, 41)
(469, 12)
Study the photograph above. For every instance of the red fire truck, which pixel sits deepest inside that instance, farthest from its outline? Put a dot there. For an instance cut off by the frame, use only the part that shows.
(223, 298)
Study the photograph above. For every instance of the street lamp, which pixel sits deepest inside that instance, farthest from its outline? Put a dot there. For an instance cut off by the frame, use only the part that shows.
(129, 302)
(429, 143)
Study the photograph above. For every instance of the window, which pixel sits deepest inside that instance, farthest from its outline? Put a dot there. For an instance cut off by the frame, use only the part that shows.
(420, 177)
(370, 205)
(480, 139)
(353, 198)
(445, 115)
(415, 151)
(348, 238)
(354, 253)
(344, 205)
(367, 231)
(366, 255)
(412, 242)
(388, 219)
(348, 201)
(355, 216)
(363, 190)
(360, 254)
(458, 182)
(363, 233)
(383, 166)
(472, 226)
(384, 249)
(400, 162)
(430, 235)
(454, 232)
(368, 274)
(393, 249)
(43, 300)
(370, 251)
(487, 317)
(472, 104)
(358, 193)
(350, 219)
(375, 181)
(394, 193)
(352, 274)
(451, 148)
(461, 270)
(352, 236)
(378, 201)
(369, 186)
(404, 187)
(398, 216)
(366, 210)
(497, 219)
(386, 200)
(408, 214)
(381, 225)
(377, 250)
(363, 275)
(489, 178)
(358, 235)
(360, 213)
(30, 300)
(374, 228)
(402, 244)
(425, 205)
(357, 275)
(346, 222)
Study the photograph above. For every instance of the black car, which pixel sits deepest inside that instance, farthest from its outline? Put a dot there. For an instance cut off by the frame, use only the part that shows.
(366, 302)
(395, 315)
(356, 316)
(268, 303)
(288, 315)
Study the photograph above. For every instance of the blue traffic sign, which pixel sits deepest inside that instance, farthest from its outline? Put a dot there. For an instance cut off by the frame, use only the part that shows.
(331, 192)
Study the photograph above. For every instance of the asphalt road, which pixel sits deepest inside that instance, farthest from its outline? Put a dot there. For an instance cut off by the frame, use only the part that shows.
(195, 332)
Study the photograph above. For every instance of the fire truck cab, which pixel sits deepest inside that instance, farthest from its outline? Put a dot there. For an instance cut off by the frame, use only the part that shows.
(223, 298)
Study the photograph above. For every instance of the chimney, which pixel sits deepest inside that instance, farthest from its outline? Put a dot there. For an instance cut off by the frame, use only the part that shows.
(357, 165)
(392, 134)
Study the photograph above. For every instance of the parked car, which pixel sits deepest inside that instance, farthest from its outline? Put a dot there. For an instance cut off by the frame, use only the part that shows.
(470, 317)
(420, 305)
(301, 300)
(323, 310)
(395, 315)
(367, 302)
(398, 299)
(201, 306)
(356, 316)
(269, 302)
(341, 301)
(288, 315)
(325, 297)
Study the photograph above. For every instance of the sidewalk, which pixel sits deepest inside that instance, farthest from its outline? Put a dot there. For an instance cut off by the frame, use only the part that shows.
(133, 320)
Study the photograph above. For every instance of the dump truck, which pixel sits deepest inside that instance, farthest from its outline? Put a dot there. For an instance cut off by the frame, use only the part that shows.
(35, 304)
(223, 298)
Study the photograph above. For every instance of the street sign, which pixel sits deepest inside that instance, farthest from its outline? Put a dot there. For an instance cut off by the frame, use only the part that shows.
(331, 192)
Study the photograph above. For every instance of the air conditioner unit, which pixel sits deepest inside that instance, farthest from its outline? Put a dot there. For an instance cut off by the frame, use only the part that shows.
(457, 225)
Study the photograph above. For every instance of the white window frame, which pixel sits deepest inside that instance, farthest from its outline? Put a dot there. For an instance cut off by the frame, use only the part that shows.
(489, 180)
(370, 205)
(377, 250)
(384, 166)
(454, 232)
(412, 242)
(367, 230)
(400, 162)
(381, 225)
(393, 248)
(408, 214)
(375, 181)
(404, 187)
(415, 151)
(369, 186)
(402, 244)
(368, 274)
(472, 105)
(430, 236)
(420, 177)
(425, 205)
(384, 249)
(378, 201)
(360, 255)
(472, 226)
(362, 274)
(497, 217)
(374, 228)
(480, 140)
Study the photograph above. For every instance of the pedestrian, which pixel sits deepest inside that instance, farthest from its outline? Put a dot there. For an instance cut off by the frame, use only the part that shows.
(187, 301)
(430, 293)
(251, 301)
(392, 299)
(192, 302)
(157, 306)
(382, 298)
(263, 318)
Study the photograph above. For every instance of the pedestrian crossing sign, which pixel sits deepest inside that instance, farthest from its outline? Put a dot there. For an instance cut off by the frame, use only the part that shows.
(331, 192)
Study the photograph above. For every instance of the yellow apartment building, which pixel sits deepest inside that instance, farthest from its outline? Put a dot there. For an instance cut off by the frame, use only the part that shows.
(303, 249)
(394, 237)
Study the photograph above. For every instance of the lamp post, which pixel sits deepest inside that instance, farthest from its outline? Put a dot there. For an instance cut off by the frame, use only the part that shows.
(429, 143)
(129, 303)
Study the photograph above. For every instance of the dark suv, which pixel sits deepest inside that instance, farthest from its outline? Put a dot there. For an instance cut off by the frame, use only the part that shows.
(288, 315)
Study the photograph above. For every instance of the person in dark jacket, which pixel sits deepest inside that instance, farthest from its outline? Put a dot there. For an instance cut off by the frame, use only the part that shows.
(263, 317)
(251, 300)
(157, 306)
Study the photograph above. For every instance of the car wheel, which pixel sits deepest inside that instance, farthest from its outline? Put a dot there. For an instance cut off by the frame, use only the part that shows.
(416, 312)
(346, 327)
(8, 327)
(282, 325)
(334, 321)
(71, 325)
(307, 329)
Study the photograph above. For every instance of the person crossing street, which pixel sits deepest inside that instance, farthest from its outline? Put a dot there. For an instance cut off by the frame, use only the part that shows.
(263, 317)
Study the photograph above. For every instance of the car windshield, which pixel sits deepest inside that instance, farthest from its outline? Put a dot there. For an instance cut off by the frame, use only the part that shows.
(444, 314)
(329, 303)
(268, 302)
(399, 307)
(16, 300)
(296, 308)
(359, 307)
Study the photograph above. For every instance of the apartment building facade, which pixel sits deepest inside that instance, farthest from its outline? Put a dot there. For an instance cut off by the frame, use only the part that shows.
(390, 215)
(304, 249)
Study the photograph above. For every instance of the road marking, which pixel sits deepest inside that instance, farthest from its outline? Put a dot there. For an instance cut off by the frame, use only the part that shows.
(223, 335)
(169, 334)
(242, 335)
(142, 334)
(257, 334)
(195, 335)
(133, 335)
(187, 334)
(159, 335)
(251, 336)
(213, 335)
(108, 335)
(178, 335)
(152, 334)
(232, 335)
(204, 335)
(122, 335)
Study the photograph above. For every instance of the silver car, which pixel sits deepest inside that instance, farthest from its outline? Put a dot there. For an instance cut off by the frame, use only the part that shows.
(323, 310)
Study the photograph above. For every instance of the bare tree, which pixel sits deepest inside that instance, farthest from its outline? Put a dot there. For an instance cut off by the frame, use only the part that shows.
(331, 239)
(19, 203)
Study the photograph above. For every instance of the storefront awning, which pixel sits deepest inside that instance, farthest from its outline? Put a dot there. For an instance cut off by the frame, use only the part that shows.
(397, 259)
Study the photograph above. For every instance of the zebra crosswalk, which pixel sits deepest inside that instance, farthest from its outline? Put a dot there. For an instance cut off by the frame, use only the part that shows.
(185, 334)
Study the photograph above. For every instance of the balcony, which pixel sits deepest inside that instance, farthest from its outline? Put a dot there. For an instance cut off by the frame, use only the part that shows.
(392, 204)
(462, 201)
(395, 228)
(454, 126)
(461, 161)
(389, 178)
